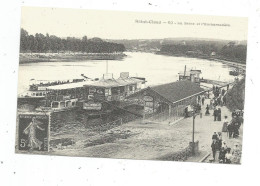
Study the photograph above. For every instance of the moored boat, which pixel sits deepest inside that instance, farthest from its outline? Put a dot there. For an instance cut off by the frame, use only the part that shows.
(87, 94)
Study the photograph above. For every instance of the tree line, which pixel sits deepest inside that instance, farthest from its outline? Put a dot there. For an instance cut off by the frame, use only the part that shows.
(229, 51)
(40, 43)
(236, 96)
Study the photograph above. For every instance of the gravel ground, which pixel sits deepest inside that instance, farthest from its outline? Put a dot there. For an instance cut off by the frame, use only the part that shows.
(136, 140)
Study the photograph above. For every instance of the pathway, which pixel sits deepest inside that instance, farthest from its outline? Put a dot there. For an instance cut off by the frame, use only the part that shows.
(206, 126)
(138, 140)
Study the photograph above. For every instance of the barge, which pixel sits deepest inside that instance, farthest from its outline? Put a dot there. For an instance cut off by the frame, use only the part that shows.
(86, 94)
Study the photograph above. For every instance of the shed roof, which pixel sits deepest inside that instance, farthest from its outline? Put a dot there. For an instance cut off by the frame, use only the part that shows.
(172, 92)
(177, 90)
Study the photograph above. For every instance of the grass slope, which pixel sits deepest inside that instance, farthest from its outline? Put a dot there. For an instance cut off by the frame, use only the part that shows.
(236, 96)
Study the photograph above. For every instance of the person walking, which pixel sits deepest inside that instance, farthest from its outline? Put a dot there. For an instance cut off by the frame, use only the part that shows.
(207, 110)
(219, 100)
(228, 156)
(214, 147)
(222, 154)
(236, 130)
(219, 114)
(211, 104)
(214, 137)
(236, 154)
(225, 124)
(224, 144)
(240, 120)
(203, 100)
(235, 126)
(215, 113)
(230, 128)
(219, 140)
(199, 99)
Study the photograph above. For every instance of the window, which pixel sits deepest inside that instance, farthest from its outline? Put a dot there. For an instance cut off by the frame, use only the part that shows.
(68, 103)
(92, 90)
(55, 104)
(62, 104)
(90, 97)
(115, 91)
(100, 91)
(149, 104)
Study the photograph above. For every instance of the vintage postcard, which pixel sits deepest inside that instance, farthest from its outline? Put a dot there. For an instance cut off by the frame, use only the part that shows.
(131, 85)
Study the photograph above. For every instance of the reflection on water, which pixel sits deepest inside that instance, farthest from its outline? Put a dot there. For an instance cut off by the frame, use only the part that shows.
(157, 69)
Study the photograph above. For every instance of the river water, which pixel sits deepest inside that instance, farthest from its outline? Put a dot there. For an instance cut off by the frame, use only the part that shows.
(157, 69)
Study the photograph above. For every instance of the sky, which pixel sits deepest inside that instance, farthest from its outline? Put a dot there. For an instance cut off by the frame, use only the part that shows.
(124, 25)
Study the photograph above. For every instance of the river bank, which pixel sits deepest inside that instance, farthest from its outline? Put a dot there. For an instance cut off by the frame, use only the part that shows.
(67, 57)
(234, 63)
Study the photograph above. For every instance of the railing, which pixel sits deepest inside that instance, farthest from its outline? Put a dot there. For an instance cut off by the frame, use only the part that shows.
(176, 113)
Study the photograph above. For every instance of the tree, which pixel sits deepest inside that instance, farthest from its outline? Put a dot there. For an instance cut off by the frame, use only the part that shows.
(24, 43)
(51, 43)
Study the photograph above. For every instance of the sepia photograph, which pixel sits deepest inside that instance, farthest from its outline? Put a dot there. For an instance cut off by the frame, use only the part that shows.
(131, 85)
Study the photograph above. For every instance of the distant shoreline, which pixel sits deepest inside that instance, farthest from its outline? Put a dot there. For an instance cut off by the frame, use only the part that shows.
(25, 58)
(73, 57)
(238, 64)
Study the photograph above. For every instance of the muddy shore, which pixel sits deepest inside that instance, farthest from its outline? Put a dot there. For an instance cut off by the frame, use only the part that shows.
(65, 57)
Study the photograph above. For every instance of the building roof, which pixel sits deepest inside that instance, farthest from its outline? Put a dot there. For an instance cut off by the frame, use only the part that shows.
(177, 90)
(69, 85)
(130, 80)
(106, 83)
(109, 83)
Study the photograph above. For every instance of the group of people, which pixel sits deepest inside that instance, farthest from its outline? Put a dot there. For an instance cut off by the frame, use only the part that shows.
(225, 154)
(217, 114)
(220, 149)
(201, 99)
(216, 102)
(219, 98)
(232, 127)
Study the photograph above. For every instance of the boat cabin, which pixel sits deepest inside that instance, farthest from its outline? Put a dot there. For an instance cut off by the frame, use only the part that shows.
(192, 75)
(64, 105)
(90, 93)
(110, 89)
